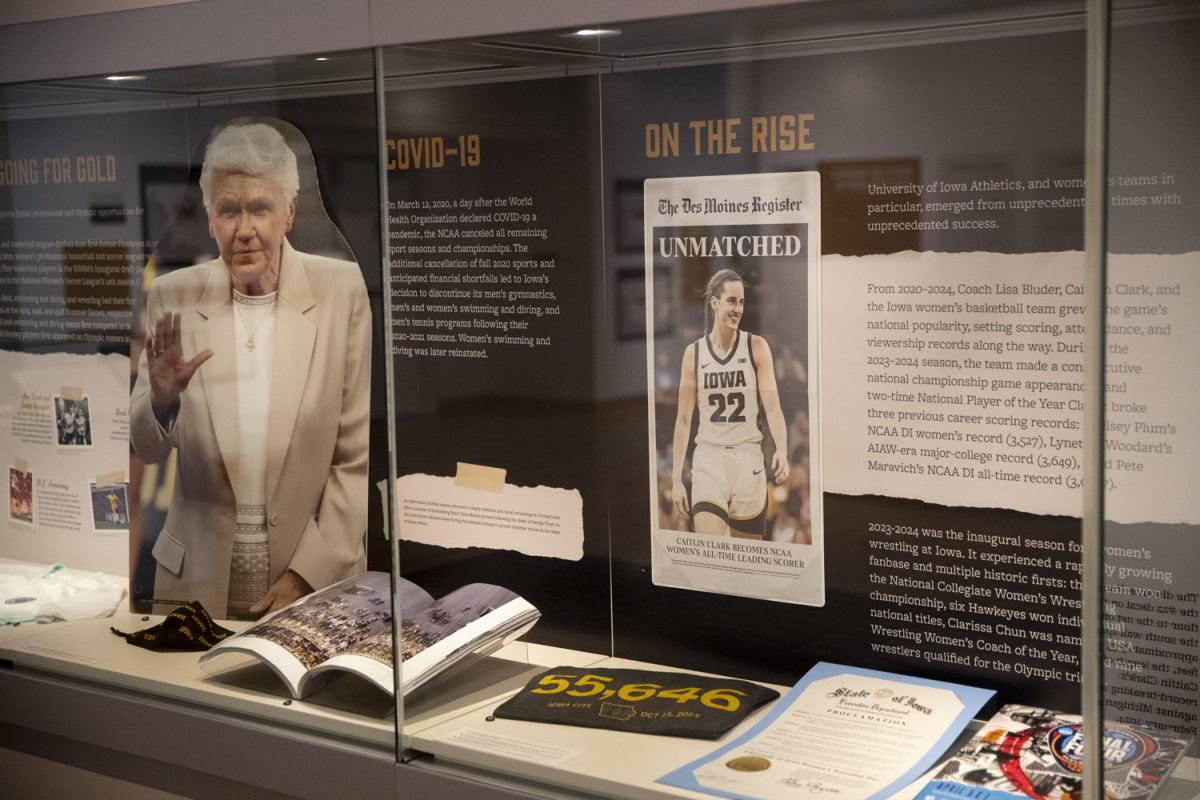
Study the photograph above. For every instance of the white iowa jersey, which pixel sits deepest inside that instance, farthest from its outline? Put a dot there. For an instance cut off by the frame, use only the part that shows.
(727, 394)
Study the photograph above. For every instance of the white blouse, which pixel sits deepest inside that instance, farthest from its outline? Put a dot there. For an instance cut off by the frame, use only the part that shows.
(254, 333)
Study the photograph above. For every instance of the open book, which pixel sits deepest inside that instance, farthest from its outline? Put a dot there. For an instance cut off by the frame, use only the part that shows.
(347, 627)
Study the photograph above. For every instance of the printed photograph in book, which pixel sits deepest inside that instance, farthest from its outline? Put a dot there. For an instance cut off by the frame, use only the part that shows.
(735, 495)
(347, 628)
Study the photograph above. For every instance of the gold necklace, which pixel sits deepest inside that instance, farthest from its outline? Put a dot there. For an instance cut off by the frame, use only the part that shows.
(249, 345)
(253, 300)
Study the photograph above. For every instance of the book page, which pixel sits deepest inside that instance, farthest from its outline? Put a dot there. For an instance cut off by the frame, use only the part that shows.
(367, 665)
(321, 625)
(457, 625)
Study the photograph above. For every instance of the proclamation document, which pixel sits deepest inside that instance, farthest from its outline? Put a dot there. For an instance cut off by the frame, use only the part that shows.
(841, 732)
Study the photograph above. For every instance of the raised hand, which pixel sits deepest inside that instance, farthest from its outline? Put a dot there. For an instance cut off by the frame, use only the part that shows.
(170, 372)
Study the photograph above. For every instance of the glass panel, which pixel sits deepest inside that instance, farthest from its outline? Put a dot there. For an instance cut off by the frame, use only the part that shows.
(920, 384)
(250, 479)
(503, 422)
(1151, 447)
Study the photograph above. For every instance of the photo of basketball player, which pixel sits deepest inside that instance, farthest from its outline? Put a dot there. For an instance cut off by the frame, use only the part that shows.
(727, 375)
(20, 495)
(734, 422)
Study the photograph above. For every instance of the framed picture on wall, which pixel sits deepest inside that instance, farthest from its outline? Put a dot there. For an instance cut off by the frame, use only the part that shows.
(627, 212)
(631, 304)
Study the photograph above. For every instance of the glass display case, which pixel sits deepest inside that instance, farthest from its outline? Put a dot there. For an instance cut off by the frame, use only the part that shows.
(104, 219)
(928, 361)
(741, 347)
(1149, 559)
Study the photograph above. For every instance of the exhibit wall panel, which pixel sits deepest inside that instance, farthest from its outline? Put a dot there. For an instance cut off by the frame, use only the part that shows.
(943, 366)
(75, 242)
(493, 240)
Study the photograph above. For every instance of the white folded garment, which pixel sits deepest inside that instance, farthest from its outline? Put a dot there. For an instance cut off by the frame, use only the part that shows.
(44, 594)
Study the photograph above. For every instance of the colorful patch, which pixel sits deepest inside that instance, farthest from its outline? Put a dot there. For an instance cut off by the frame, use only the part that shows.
(1122, 747)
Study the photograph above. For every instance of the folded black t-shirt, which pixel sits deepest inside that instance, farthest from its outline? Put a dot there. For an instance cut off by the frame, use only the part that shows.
(637, 700)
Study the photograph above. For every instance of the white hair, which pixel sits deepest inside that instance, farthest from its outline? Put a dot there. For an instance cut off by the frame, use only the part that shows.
(257, 150)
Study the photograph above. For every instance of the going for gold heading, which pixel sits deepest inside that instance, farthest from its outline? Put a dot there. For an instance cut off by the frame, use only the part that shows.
(58, 170)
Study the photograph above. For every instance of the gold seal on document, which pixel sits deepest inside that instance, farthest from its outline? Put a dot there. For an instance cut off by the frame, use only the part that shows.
(748, 764)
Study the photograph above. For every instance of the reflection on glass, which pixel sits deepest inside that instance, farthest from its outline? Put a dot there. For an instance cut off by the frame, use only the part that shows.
(1151, 448)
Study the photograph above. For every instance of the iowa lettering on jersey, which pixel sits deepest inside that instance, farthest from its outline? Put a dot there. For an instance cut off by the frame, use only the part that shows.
(724, 380)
